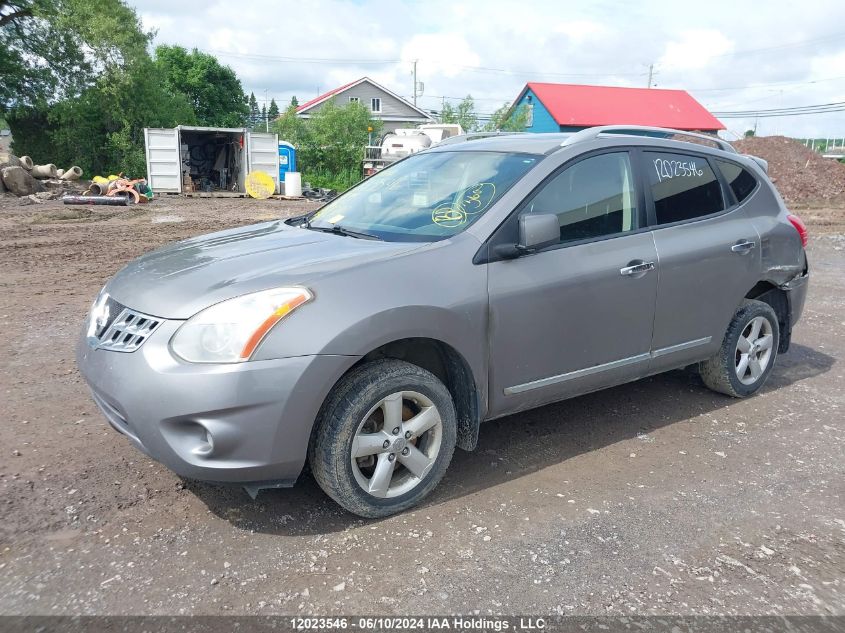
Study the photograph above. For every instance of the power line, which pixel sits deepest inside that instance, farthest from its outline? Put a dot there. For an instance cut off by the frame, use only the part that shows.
(792, 108)
(819, 108)
(303, 60)
(535, 73)
(811, 42)
(775, 115)
(776, 83)
(382, 62)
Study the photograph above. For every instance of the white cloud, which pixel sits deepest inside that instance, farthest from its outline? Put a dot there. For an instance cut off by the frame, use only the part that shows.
(714, 53)
(445, 54)
(581, 31)
(695, 49)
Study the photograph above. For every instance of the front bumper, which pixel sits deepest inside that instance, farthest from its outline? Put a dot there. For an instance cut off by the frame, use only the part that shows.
(246, 422)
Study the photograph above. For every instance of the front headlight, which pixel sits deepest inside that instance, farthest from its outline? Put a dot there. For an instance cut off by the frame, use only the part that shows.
(98, 315)
(230, 331)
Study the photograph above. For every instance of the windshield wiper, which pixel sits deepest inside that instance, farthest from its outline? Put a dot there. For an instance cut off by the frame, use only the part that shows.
(339, 230)
(301, 220)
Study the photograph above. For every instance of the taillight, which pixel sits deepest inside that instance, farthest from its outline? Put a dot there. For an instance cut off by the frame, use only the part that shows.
(799, 225)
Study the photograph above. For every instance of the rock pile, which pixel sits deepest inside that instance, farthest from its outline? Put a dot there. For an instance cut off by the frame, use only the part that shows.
(801, 175)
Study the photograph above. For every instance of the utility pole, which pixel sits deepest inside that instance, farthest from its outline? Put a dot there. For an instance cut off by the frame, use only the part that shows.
(415, 83)
(650, 74)
(266, 113)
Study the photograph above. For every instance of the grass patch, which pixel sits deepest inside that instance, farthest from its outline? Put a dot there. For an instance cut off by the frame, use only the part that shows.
(340, 182)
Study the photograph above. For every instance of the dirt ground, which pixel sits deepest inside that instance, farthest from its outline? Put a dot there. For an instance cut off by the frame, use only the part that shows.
(654, 497)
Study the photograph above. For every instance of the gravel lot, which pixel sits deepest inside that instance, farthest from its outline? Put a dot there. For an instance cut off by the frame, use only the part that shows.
(654, 497)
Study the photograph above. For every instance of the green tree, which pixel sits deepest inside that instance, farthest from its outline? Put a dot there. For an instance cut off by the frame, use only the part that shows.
(506, 120)
(448, 114)
(96, 121)
(294, 102)
(213, 90)
(254, 112)
(464, 114)
(330, 145)
(55, 49)
(291, 128)
(339, 135)
(273, 110)
(101, 130)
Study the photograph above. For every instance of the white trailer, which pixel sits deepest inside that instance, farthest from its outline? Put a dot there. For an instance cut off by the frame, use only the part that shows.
(208, 158)
(404, 142)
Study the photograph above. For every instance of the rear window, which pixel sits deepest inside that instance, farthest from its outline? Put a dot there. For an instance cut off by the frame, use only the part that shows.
(742, 183)
(683, 187)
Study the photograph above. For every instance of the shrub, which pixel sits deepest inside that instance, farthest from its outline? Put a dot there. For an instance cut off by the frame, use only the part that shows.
(330, 145)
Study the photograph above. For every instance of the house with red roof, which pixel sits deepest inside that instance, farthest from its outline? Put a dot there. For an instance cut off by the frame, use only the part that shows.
(569, 108)
(394, 111)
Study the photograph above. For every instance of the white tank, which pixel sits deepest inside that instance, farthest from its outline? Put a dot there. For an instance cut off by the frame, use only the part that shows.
(402, 143)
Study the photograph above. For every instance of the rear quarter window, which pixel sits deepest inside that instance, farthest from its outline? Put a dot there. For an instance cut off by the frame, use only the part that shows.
(741, 182)
(683, 187)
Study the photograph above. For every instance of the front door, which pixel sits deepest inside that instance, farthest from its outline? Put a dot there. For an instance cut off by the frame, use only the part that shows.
(578, 315)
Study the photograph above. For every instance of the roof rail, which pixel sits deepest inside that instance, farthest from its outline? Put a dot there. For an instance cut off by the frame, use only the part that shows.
(640, 130)
(474, 136)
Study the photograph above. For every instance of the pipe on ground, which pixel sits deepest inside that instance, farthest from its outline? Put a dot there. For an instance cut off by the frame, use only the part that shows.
(74, 173)
(43, 172)
(26, 162)
(115, 201)
(99, 188)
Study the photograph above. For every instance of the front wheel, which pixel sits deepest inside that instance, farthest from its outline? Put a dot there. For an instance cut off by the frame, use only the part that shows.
(748, 352)
(384, 438)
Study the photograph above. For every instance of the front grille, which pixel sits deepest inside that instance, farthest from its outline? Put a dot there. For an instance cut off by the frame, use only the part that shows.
(126, 331)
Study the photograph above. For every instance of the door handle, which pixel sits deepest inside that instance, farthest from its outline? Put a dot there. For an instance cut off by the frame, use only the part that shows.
(636, 269)
(743, 247)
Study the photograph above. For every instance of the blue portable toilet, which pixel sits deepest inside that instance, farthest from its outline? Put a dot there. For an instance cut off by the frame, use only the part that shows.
(287, 159)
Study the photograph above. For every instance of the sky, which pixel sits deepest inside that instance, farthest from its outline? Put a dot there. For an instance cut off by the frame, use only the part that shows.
(731, 55)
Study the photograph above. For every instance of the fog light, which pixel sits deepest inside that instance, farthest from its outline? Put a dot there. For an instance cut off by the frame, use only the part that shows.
(206, 446)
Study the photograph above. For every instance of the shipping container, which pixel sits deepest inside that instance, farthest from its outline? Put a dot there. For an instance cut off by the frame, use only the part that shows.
(188, 159)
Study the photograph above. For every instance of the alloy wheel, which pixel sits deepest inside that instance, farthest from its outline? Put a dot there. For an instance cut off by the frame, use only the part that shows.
(396, 444)
(754, 350)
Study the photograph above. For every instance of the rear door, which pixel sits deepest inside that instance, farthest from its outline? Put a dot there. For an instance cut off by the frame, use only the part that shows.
(163, 162)
(708, 252)
(263, 154)
(576, 316)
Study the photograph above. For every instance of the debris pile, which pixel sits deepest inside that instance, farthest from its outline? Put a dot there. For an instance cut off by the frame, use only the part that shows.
(116, 190)
(23, 178)
(318, 194)
(800, 174)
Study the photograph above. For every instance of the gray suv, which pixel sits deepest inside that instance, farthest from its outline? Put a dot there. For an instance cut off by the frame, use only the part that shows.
(474, 280)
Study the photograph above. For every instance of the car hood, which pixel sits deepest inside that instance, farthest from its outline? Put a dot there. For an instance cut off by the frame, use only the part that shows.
(179, 280)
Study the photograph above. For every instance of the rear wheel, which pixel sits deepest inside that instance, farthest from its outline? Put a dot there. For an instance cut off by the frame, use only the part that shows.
(384, 438)
(748, 352)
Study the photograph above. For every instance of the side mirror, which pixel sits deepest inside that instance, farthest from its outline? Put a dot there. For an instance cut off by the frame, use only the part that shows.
(535, 232)
(538, 231)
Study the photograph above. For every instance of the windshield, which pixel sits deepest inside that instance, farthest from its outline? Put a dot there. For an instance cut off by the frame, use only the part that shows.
(426, 197)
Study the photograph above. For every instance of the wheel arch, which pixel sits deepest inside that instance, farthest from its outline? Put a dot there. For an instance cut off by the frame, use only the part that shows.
(449, 366)
(778, 299)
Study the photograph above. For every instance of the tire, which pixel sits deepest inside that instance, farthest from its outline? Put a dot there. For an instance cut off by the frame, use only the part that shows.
(732, 370)
(360, 415)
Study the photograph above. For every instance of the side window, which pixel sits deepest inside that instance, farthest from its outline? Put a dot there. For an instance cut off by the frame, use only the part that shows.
(593, 198)
(683, 187)
(741, 182)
